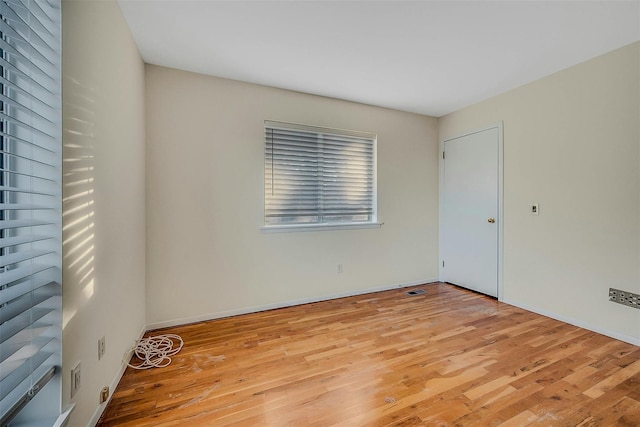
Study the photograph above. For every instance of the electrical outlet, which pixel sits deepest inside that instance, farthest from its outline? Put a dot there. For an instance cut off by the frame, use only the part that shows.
(624, 297)
(104, 394)
(75, 380)
(101, 348)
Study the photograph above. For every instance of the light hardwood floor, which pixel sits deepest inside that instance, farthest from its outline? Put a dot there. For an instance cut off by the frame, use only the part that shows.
(449, 357)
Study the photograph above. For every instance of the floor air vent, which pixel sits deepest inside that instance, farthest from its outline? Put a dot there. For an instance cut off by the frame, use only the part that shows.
(624, 297)
(417, 292)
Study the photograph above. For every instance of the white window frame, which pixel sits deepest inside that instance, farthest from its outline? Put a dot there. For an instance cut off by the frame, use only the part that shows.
(320, 224)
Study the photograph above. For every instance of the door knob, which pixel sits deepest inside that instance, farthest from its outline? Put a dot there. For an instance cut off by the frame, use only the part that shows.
(491, 220)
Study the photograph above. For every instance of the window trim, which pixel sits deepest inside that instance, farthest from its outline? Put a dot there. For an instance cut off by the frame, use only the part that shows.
(322, 226)
(319, 227)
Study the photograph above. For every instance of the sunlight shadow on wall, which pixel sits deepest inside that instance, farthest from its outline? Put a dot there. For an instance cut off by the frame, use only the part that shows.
(78, 210)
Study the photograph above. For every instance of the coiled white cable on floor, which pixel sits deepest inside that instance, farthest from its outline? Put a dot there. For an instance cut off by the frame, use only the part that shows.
(156, 352)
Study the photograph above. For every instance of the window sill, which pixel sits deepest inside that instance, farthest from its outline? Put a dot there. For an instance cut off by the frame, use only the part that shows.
(317, 227)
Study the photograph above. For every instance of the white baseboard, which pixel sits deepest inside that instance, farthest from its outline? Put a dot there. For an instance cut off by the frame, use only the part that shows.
(290, 303)
(585, 325)
(123, 367)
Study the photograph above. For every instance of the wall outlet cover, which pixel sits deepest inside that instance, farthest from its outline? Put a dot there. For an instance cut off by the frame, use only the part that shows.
(75, 380)
(101, 348)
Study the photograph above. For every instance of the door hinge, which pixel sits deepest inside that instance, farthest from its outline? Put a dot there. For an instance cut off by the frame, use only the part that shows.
(443, 155)
(443, 263)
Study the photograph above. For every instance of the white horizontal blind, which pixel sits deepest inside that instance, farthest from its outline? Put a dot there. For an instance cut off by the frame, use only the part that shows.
(318, 175)
(30, 200)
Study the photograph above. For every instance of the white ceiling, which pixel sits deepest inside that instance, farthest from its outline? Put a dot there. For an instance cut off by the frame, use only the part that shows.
(428, 57)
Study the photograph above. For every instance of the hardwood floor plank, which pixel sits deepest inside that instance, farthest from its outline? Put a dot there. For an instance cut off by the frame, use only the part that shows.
(523, 418)
(449, 357)
(613, 380)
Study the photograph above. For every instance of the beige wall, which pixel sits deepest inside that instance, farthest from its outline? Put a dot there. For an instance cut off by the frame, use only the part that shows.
(104, 202)
(206, 255)
(571, 143)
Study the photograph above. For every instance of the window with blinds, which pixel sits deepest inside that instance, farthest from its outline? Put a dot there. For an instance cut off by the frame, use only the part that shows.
(30, 204)
(318, 176)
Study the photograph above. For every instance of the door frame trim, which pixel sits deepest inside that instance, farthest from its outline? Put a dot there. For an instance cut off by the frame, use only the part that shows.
(499, 126)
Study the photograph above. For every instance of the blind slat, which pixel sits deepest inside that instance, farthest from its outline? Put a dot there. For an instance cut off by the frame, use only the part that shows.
(45, 145)
(22, 322)
(21, 240)
(20, 207)
(22, 272)
(20, 256)
(27, 337)
(285, 141)
(26, 126)
(14, 371)
(36, 155)
(27, 191)
(22, 223)
(30, 174)
(24, 108)
(19, 289)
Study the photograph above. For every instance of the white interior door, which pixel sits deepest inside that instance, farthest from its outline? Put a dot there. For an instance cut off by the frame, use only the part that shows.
(470, 211)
